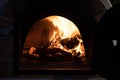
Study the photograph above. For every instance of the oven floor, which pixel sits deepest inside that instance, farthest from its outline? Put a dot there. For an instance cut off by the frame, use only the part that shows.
(36, 65)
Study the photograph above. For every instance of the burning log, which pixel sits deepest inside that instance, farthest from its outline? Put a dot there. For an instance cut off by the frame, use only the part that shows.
(51, 54)
(70, 43)
(56, 54)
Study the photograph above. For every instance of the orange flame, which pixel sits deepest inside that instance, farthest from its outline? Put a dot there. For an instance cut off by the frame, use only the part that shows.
(65, 26)
(67, 29)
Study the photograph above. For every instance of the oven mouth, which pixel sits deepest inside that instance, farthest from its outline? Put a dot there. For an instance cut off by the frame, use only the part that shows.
(59, 48)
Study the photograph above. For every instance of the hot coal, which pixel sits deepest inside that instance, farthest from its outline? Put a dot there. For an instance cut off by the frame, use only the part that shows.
(53, 54)
(58, 54)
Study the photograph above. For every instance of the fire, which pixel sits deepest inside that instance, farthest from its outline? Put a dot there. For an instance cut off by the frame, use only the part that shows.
(55, 33)
(66, 29)
(65, 26)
